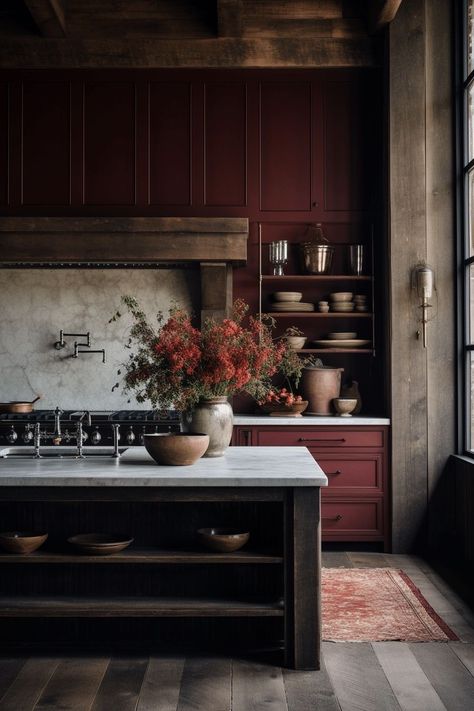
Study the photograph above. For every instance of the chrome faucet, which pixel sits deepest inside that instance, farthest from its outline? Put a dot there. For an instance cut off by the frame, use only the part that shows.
(56, 436)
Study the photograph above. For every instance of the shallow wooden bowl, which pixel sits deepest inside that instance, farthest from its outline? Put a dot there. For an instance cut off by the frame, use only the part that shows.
(22, 542)
(100, 543)
(176, 448)
(223, 540)
(281, 410)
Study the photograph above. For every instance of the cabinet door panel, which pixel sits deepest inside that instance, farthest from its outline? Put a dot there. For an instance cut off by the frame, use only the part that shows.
(109, 143)
(357, 520)
(225, 153)
(170, 143)
(317, 440)
(4, 130)
(347, 164)
(46, 143)
(285, 146)
(352, 471)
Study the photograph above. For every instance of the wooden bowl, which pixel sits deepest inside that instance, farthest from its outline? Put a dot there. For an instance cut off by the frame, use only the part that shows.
(280, 410)
(100, 543)
(22, 542)
(176, 448)
(223, 540)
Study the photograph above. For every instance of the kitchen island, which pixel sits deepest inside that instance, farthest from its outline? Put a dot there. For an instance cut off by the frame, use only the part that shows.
(273, 492)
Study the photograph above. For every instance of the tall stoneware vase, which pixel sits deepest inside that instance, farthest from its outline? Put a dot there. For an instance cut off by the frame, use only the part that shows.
(215, 418)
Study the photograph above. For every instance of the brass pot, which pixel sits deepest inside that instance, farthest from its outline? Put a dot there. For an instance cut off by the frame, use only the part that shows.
(316, 258)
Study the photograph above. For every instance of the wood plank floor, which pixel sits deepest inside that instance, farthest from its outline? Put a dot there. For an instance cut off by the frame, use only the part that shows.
(354, 676)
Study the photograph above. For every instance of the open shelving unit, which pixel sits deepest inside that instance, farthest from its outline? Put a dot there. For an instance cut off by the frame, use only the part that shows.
(321, 284)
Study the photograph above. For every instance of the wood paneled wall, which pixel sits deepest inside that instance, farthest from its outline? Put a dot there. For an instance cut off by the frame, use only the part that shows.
(421, 229)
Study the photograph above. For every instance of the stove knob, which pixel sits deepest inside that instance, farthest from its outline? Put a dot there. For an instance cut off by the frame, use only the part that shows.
(142, 439)
(27, 435)
(12, 436)
(96, 437)
(130, 436)
(85, 436)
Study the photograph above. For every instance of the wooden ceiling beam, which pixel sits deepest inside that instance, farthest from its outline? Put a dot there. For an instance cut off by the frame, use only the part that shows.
(380, 13)
(48, 16)
(287, 52)
(229, 18)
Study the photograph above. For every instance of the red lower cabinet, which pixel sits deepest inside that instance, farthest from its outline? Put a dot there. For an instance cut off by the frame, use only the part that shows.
(355, 505)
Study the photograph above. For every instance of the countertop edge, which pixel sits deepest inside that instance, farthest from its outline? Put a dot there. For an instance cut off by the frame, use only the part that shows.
(309, 420)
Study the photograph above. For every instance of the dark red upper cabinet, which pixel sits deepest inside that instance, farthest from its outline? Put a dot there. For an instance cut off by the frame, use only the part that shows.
(225, 144)
(109, 143)
(285, 146)
(170, 143)
(348, 132)
(46, 143)
(4, 144)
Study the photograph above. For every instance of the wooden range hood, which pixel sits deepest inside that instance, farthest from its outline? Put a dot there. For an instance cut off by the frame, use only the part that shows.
(214, 244)
(121, 241)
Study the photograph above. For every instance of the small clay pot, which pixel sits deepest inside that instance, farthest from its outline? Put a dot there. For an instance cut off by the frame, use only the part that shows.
(224, 540)
(345, 406)
(22, 542)
(176, 448)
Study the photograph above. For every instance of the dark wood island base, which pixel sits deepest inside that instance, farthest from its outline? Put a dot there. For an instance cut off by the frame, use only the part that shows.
(281, 562)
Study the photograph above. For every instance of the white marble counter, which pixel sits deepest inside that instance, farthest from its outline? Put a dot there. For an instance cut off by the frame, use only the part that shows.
(306, 420)
(241, 467)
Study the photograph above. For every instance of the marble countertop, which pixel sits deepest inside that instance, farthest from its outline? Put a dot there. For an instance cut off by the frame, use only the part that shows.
(306, 420)
(240, 467)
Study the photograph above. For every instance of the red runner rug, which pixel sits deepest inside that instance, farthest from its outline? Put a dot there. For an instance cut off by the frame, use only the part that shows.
(376, 605)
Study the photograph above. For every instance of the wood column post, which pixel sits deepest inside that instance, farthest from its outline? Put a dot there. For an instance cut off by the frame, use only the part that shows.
(216, 290)
(302, 560)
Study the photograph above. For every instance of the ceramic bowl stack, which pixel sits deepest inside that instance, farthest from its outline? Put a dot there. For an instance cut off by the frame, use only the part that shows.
(342, 339)
(360, 301)
(341, 302)
(289, 301)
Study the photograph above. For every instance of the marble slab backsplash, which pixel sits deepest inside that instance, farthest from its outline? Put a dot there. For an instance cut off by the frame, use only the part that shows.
(37, 303)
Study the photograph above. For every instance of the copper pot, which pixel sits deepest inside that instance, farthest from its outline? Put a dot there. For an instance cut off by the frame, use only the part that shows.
(18, 406)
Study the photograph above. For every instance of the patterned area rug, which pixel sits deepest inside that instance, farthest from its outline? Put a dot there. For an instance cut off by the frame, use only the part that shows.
(376, 605)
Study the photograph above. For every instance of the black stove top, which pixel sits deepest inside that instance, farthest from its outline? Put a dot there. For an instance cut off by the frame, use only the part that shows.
(97, 416)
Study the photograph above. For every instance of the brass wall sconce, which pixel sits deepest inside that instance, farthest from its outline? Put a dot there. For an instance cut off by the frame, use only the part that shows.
(422, 279)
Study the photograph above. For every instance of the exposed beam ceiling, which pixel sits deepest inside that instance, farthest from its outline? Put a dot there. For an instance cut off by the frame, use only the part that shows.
(380, 13)
(214, 53)
(48, 16)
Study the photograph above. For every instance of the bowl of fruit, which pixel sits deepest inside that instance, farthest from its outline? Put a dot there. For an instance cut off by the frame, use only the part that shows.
(283, 403)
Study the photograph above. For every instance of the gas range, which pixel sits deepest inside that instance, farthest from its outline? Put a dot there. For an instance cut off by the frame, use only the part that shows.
(18, 429)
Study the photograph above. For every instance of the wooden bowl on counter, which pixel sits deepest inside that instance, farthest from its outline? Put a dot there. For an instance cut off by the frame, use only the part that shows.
(275, 409)
(223, 540)
(22, 542)
(176, 448)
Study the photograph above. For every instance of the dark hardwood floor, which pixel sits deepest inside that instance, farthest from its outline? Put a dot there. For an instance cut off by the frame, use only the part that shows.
(354, 677)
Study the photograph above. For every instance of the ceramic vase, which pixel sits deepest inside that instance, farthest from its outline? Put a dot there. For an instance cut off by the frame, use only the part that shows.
(320, 386)
(215, 418)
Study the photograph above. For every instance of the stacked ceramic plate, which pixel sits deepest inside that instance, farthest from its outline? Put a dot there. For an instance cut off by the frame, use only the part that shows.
(342, 339)
(289, 301)
(360, 301)
(341, 302)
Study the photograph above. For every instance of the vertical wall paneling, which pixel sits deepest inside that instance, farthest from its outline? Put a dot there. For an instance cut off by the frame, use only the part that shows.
(170, 143)
(109, 143)
(46, 143)
(4, 131)
(197, 148)
(14, 149)
(346, 158)
(225, 143)
(77, 143)
(285, 146)
(142, 146)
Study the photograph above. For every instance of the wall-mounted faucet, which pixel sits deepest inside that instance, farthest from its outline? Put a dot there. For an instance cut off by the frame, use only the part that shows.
(79, 346)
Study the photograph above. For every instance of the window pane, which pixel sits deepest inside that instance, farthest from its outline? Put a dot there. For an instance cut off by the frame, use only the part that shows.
(470, 121)
(469, 38)
(470, 424)
(469, 207)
